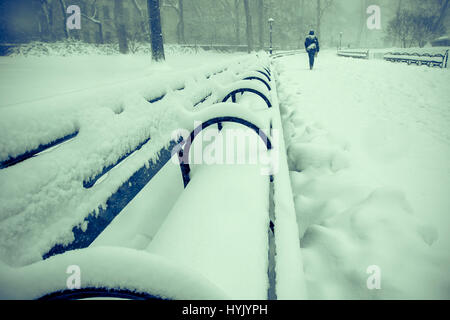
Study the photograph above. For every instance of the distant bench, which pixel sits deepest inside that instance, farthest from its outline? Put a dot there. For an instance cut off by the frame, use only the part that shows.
(431, 60)
(359, 54)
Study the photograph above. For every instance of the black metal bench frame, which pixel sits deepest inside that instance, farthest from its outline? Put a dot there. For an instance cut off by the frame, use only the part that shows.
(183, 154)
(415, 58)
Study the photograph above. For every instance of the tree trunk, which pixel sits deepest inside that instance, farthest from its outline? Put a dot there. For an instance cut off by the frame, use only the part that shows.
(238, 21)
(141, 17)
(261, 24)
(362, 22)
(399, 9)
(156, 36)
(441, 16)
(301, 29)
(120, 26)
(64, 14)
(248, 18)
(48, 19)
(181, 21)
(319, 16)
(100, 33)
(97, 22)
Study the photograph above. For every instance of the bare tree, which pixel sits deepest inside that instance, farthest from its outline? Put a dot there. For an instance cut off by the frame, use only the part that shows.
(418, 24)
(179, 8)
(441, 17)
(362, 21)
(321, 9)
(181, 21)
(301, 22)
(248, 18)
(156, 36)
(397, 15)
(261, 24)
(94, 19)
(237, 21)
(63, 7)
(319, 17)
(48, 16)
(235, 12)
(120, 26)
(399, 7)
(402, 27)
(141, 14)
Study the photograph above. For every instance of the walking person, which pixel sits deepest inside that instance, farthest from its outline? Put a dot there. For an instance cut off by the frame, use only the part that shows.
(312, 47)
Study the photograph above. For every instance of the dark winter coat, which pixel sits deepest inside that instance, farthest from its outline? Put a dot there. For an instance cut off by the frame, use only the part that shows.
(312, 44)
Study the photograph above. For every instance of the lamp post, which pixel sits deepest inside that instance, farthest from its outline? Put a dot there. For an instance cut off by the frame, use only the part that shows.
(340, 40)
(270, 33)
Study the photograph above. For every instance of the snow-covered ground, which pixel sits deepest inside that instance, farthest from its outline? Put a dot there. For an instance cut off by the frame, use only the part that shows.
(369, 149)
(368, 146)
(105, 99)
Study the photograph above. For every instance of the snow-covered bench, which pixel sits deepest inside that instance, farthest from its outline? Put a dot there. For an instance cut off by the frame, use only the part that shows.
(146, 251)
(431, 60)
(231, 224)
(359, 54)
(256, 81)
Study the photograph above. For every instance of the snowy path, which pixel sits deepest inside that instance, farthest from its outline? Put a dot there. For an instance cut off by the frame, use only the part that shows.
(369, 146)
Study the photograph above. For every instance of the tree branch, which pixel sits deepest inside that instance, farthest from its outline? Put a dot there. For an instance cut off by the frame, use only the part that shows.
(138, 8)
(170, 4)
(92, 19)
(326, 6)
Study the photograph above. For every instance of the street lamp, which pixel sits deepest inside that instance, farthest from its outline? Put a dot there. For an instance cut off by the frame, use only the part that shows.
(340, 40)
(270, 33)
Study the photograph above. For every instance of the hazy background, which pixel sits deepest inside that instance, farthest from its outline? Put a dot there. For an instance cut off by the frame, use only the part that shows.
(225, 21)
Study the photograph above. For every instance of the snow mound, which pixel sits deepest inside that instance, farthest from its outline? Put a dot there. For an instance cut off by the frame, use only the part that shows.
(359, 185)
(80, 48)
(44, 197)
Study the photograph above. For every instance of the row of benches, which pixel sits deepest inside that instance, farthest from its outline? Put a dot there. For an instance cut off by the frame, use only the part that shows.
(428, 59)
(431, 60)
(97, 222)
(257, 80)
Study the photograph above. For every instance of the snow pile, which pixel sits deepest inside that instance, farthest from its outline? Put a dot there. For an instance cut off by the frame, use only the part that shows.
(109, 268)
(79, 48)
(370, 175)
(290, 283)
(427, 50)
(226, 243)
(62, 97)
(42, 198)
(61, 48)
